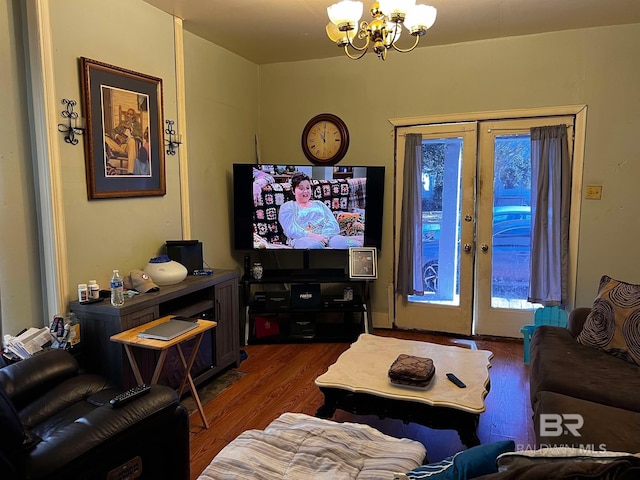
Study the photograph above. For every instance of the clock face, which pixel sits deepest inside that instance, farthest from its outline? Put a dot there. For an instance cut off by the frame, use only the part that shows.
(325, 139)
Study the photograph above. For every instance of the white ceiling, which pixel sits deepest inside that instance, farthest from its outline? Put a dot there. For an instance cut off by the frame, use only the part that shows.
(271, 31)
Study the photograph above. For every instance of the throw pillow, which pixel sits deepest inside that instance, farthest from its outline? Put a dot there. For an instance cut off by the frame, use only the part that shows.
(471, 463)
(613, 325)
(349, 223)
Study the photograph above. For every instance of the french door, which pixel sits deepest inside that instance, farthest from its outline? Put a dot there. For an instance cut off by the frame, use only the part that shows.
(448, 179)
(476, 227)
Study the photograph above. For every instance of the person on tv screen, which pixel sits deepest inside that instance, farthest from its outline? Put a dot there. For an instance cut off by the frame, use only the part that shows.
(260, 179)
(308, 223)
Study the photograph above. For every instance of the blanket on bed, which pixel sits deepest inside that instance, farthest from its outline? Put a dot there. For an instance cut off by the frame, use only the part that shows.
(297, 446)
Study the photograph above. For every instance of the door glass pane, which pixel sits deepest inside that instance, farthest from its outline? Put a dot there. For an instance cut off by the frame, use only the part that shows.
(441, 213)
(511, 250)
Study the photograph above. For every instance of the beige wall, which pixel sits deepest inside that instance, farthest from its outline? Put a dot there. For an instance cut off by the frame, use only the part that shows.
(222, 107)
(20, 286)
(222, 119)
(595, 67)
(114, 233)
(229, 99)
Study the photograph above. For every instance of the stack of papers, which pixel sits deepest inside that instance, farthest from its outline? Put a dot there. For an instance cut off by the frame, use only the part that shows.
(29, 342)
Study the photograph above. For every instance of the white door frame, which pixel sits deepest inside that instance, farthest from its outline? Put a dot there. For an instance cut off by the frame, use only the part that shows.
(580, 114)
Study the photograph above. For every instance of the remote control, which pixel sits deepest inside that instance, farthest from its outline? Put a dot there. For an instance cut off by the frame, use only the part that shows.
(203, 271)
(129, 395)
(455, 380)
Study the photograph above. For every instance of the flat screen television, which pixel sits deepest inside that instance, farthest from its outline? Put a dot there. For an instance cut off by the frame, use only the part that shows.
(352, 194)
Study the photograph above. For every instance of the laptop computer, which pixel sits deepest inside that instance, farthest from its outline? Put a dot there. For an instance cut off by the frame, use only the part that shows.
(168, 330)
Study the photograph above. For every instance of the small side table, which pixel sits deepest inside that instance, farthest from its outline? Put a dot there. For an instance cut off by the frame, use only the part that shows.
(130, 339)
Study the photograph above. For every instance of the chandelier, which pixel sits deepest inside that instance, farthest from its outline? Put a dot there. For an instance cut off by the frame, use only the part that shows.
(383, 31)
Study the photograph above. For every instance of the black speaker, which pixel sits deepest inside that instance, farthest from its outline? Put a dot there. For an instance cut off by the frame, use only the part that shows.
(247, 266)
(186, 252)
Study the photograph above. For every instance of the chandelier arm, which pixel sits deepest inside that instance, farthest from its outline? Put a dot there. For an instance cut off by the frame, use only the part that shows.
(361, 34)
(354, 57)
(401, 50)
(357, 48)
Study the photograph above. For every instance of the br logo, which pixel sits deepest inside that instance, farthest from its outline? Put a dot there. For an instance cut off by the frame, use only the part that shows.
(554, 424)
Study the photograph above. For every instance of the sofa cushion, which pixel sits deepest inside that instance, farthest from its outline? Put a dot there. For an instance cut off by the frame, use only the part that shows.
(613, 325)
(603, 427)
(13, 433)
(560, 364)
(565, 463)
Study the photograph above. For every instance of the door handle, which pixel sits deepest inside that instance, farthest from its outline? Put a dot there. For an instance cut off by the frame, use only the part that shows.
(484, 247)
(467, 247)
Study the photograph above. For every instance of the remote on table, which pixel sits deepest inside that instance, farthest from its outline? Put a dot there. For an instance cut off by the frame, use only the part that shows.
(129, 395)
(455, 380)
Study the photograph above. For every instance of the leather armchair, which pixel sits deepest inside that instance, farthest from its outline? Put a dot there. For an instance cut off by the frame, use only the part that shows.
(57, 423)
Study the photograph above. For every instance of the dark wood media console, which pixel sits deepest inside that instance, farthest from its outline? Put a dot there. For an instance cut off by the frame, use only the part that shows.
(212, 297)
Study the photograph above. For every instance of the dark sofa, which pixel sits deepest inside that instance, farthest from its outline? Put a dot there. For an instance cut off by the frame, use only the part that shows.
(568, 378)
(56, 423)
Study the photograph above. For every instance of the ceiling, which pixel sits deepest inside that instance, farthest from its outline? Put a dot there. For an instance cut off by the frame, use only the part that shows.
(272, 31)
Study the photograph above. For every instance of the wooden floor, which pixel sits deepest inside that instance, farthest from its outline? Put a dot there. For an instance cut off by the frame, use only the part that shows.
(280, 378)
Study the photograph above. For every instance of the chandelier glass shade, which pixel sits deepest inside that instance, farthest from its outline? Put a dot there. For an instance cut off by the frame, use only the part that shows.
(383, 31)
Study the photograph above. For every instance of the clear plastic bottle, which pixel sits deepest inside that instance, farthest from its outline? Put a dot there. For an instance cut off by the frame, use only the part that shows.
(117, 294)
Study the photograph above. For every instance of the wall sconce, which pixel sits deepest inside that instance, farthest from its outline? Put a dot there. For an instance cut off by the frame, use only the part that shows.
(70, 130)
(174, 139)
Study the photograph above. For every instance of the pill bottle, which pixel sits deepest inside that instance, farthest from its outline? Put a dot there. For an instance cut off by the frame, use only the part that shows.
(83, 292)
(94, 290)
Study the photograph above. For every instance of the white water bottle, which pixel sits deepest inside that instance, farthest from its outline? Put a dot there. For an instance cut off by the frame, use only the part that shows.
(117, 294)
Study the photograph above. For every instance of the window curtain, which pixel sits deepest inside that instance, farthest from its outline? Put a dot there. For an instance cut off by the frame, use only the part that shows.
(410, 280)
(550, 202)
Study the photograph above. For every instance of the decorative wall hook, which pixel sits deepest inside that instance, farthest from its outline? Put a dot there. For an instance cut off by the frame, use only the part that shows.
(174, 139)
(70, 130)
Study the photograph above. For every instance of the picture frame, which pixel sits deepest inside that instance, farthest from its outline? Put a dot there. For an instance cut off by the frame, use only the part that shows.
(124, 154)
(363, 262)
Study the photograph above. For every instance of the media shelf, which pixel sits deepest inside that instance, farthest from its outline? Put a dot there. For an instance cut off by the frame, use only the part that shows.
(212, 297)
(273, 314)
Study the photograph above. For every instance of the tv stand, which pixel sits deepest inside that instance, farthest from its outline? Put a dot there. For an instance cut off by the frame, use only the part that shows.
(268, 304)
(307, 275)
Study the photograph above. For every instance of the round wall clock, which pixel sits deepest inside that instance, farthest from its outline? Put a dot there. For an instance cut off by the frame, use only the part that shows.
(325, 139)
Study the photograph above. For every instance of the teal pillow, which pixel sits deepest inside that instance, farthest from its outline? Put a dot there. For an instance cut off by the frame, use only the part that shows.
(480, 460)
(471, 463)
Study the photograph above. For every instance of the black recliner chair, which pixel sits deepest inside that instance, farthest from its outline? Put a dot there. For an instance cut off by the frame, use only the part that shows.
(56, 423)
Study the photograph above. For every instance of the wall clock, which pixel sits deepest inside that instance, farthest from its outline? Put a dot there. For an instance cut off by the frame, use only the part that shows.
(325, 139)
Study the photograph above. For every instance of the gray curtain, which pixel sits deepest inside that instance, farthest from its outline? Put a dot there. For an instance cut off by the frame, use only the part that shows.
(410, 280)
(550, 202)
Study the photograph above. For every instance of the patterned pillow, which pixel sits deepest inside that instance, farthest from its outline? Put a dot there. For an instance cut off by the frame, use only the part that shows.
(349, 223)
(613, 325)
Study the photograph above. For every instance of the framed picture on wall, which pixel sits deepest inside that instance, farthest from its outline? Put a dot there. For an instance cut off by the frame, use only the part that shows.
(363, 262)
(124, 120)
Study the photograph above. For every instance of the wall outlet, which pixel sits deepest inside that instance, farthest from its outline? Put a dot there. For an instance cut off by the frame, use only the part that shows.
(593, 192)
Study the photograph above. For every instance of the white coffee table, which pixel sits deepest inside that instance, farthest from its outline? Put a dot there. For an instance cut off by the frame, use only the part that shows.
(358, 382)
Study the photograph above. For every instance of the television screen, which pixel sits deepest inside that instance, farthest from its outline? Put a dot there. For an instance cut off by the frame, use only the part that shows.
(306, 207)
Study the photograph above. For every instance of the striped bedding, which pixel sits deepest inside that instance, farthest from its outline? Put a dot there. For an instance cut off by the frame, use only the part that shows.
(297, 446)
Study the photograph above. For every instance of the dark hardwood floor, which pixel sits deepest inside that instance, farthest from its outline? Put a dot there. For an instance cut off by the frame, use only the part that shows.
(280, 378)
